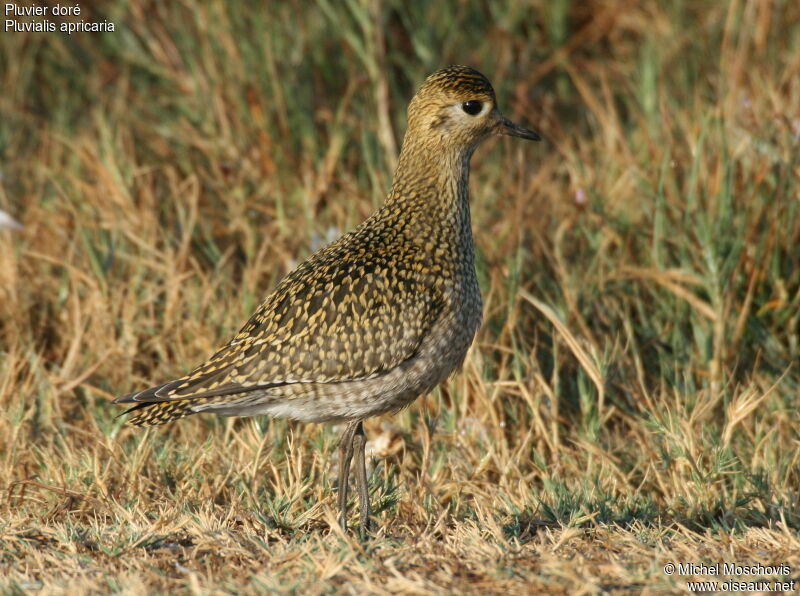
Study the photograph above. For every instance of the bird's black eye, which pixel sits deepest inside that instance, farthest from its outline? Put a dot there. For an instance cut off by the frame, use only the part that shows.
(472, 107)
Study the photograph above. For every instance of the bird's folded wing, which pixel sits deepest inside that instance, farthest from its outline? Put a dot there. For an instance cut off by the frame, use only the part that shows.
(336, 322)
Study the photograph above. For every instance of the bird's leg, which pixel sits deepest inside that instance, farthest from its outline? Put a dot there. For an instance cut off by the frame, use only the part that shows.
(359, 442)
(345, 455)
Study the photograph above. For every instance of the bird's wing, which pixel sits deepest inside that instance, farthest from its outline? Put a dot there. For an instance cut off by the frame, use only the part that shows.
(337, 317)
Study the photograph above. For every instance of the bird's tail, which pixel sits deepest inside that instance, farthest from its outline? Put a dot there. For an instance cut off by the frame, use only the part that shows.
(155, 405)
(161, 412)
(162, 403)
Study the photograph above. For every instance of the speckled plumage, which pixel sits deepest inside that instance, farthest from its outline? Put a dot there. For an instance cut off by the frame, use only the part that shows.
(380, 316)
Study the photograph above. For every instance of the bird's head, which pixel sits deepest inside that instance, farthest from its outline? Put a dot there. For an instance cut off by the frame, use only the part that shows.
(456, 107)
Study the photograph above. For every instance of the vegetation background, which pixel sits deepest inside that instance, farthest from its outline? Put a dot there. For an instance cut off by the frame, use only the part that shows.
(631, 399)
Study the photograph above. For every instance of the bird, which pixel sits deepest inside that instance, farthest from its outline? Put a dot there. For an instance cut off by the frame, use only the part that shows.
(379, 317)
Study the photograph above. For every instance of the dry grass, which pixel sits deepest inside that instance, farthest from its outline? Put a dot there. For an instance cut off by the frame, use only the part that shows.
(631, 399)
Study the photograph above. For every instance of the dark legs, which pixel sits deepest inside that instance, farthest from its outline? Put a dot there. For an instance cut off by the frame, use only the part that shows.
(345, 455)
(359, 442)
(353, 443)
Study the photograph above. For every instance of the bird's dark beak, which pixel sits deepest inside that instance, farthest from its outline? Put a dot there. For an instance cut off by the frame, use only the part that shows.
(512, 129)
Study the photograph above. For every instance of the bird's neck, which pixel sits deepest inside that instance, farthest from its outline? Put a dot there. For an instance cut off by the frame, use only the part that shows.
(430, 192)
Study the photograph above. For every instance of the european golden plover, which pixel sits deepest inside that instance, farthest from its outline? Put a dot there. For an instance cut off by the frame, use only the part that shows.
(377, 318)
